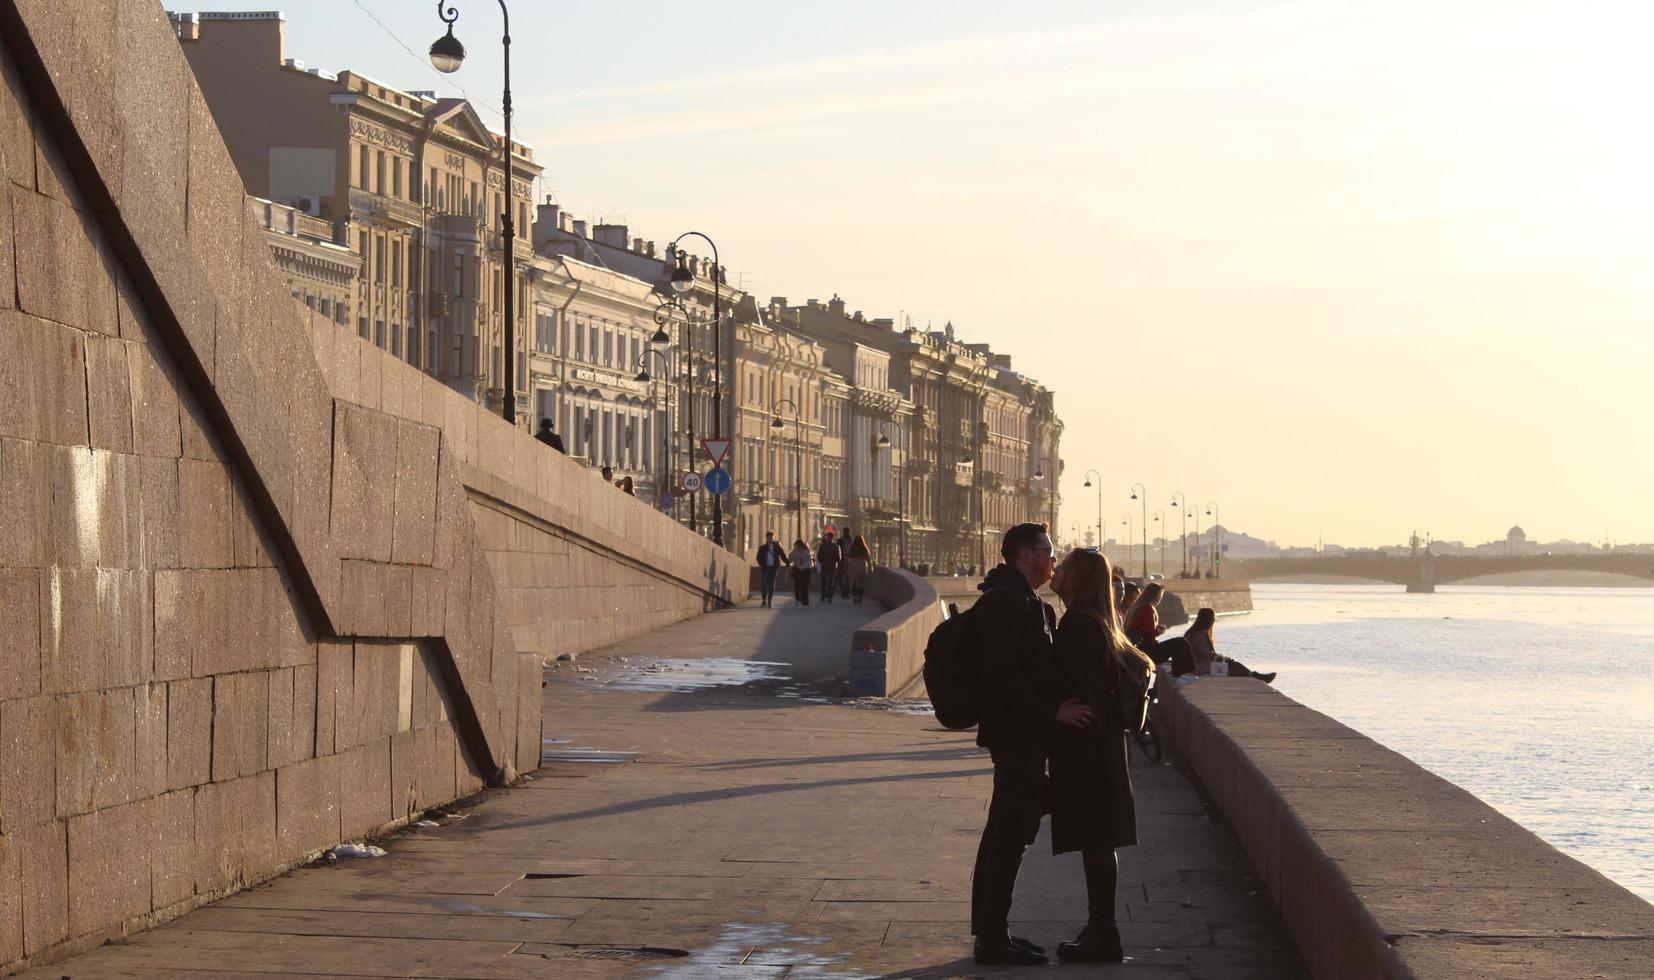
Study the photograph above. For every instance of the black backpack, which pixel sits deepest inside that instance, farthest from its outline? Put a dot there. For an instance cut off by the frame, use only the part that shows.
(950, 670)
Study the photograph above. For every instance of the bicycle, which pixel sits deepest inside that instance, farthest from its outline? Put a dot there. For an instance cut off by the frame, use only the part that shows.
(1148, 740)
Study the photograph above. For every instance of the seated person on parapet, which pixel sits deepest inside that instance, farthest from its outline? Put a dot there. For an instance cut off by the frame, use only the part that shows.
(1203, 650)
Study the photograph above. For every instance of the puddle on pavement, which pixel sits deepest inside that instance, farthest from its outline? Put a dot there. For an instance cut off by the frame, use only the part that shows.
(919, 707)
(672, 676)
(761, 949)
(602, 756)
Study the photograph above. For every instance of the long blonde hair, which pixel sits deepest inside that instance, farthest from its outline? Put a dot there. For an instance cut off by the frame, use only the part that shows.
(1090, 580)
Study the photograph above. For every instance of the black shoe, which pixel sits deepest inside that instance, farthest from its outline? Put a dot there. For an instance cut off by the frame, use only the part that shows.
(1268, 678)
(1028, 944)
(1094, 944)
(1004, 952)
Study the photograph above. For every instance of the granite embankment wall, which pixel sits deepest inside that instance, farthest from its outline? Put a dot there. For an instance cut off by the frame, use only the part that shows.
(1382, 869)
(1184, 597)
(247, 610)
(887, 656)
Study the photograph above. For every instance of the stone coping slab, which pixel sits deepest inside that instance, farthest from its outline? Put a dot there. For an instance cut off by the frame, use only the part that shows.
(1383, 869)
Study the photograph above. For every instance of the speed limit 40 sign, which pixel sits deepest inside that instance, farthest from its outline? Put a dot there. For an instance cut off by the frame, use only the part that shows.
(691, 482)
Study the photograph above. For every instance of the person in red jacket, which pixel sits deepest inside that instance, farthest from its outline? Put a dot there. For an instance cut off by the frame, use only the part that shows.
(1142, 619)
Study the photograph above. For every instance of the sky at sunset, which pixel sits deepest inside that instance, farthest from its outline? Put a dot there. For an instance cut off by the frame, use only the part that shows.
(1347, 269)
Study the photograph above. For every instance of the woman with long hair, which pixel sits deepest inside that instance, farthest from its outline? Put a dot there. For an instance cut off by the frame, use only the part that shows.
(1203, 649)
(1142, 619)
(803, 563)
(858, 559)
(1093, 808)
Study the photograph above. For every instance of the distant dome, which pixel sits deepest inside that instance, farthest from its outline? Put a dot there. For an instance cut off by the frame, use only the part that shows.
(1516, 533)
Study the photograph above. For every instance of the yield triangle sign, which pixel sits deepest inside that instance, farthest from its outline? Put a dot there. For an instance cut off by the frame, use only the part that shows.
(716, 450)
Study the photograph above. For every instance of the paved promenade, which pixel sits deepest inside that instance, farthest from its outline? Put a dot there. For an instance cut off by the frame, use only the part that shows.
(762, 829)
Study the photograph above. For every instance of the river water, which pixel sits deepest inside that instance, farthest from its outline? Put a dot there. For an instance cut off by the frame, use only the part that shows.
(1540, 701)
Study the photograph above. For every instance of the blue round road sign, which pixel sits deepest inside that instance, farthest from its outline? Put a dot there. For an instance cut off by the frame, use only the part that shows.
(717, 481)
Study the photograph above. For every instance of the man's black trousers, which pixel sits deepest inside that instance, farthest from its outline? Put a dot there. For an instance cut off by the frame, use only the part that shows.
(1013, 823)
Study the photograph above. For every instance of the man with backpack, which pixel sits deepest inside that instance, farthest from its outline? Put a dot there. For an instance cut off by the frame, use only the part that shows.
(1015, 704)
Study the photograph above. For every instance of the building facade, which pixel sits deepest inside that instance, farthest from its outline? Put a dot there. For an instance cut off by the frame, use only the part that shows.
(322, 275)
(412, 184)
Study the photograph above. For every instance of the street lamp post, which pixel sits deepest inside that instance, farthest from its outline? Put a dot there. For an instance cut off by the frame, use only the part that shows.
(1183, 536)
(798, 471)
(447, 54)
(901, 495)
(1160, 519)
(1102, 532)
(682, 281)
(662, 466)
(1125, 522)
(1142, 496)
(1039, 476)
(1212, 512)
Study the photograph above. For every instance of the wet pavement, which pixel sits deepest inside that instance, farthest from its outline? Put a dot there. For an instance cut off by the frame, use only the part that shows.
(712, 806)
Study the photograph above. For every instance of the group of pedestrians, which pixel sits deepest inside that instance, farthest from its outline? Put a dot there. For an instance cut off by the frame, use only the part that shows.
(842, 564)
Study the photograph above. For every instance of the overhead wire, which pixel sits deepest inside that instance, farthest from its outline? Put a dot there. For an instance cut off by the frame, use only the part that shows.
(447, 79)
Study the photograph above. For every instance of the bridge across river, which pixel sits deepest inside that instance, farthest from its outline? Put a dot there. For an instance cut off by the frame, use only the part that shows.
(1423, 572)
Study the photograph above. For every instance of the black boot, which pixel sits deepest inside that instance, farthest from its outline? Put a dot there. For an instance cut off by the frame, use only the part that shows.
(1027, 944)
(1094, 944)
(1006, 951)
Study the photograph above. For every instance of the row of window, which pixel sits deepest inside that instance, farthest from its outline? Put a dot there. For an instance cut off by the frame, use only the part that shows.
(380, 173)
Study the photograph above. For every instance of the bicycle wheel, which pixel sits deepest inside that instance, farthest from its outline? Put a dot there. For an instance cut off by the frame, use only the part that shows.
(1148, 742)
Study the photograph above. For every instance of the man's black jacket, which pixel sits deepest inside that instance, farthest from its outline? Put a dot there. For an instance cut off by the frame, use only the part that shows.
(1016, 695)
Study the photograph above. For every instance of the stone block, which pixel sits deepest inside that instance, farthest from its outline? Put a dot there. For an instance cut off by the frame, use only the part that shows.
(11, 900)
(365, 788)
(217, 217)
(119, 524)
(235, 831)
(292, 715)
(64, 275)
(78, 43)
(45, 871)
(96, 750)
(25, 499)
(71, 631)
(191, 621)
(240, 724)
(335, 694)
(149, 777)
(529, 684)
(28, 794)
(307, 806)
(204, 495)
(44, 381)
(246, 537)
(109, 393)
(19, 633)
(155, 409)
(430, 587)
(109, 866)
(189, 732)
(16, 129)
(417, 450)
(374, 690)
(151, 83)
(364, 475)
(172, 849)
(398, 600)
(125, 611)
(158, 515)
(196, 429)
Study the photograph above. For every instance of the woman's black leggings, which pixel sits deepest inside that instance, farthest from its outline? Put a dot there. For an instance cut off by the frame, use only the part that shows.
(1102, 874)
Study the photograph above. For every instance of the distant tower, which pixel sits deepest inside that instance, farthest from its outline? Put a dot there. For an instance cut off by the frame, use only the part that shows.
(1516, 541)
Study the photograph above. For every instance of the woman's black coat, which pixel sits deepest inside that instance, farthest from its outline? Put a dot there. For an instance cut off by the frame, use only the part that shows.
(1092, 804)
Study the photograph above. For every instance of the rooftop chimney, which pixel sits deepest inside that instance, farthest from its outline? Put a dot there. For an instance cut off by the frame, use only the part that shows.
(835, 306)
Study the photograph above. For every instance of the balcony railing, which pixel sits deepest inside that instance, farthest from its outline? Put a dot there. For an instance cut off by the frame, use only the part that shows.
(390, 208)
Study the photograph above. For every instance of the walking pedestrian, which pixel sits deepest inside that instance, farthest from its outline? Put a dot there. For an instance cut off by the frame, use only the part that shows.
(803, 564)
(844, 540)
(770, 559)
(1016, 702)
(857, 561)
(828, 557)
(1093, 807)
(550, 438)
